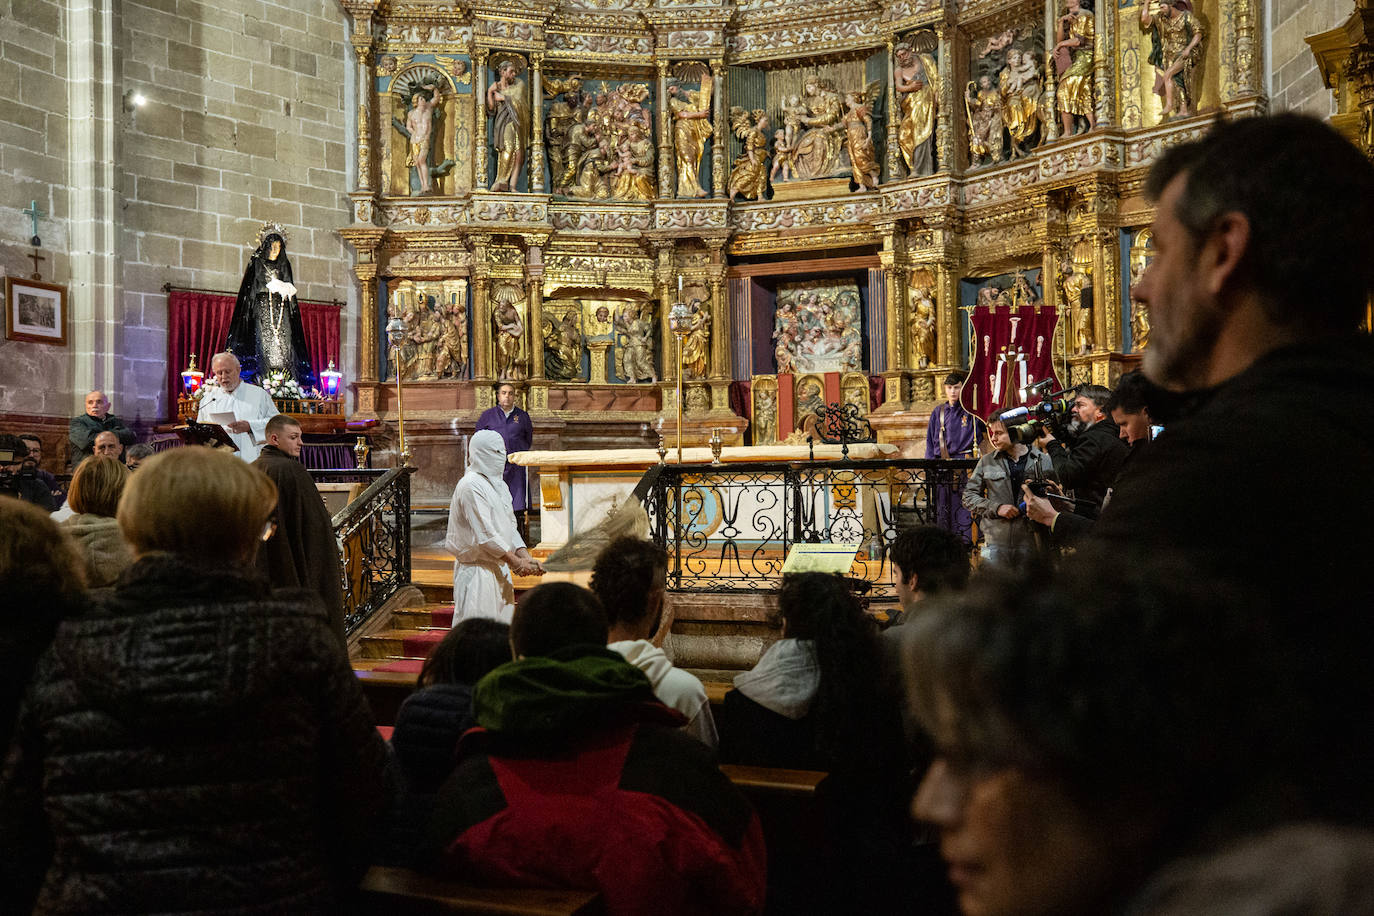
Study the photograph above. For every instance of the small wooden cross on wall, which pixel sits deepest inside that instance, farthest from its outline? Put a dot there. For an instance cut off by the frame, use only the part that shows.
(36, 257)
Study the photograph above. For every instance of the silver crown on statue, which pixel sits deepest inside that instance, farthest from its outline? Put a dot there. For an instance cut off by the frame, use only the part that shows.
(271, 229)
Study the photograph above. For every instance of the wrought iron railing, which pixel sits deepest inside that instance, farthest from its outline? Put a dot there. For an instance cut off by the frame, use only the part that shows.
(373, 534)
(729, 528)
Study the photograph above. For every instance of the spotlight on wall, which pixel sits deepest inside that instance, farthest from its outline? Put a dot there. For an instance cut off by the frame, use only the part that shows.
(134, 100)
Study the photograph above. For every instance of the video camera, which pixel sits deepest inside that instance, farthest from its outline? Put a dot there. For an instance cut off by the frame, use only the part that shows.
(1055, 410)
(10, 478)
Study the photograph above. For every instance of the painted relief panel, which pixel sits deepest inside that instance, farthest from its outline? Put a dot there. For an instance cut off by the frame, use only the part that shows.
(436, 316)
(599, 137)
(1004, 99)
(817, 327)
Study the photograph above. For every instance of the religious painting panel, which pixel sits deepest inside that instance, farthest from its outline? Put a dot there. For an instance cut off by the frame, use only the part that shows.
(423, 100)
(817, 327)
(599, 138)
(1004, 97)
(1013, 339)
(1138, 249)
(854, 389)
(507, 109)
(763, 410)
(563, 341)
(1168, 63)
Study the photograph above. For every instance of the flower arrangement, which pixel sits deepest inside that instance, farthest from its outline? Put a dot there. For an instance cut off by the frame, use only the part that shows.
(205, 388)
(281, 384)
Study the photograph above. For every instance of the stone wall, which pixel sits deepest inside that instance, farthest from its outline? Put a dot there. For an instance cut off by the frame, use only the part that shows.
(1296, 83)
(34, 378)
(244, 122)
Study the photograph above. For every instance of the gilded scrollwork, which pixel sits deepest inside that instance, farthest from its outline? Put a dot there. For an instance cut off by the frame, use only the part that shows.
(582, 220)
(785, 37)
(680, 217)
(789, 217)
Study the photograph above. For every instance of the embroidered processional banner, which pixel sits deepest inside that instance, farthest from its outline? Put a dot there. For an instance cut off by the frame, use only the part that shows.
(1012, 345)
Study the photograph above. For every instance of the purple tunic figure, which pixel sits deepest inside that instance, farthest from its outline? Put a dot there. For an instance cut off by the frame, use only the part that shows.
(953, 433)
(518, 432)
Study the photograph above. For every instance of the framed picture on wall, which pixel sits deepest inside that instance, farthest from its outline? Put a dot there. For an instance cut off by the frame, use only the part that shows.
(35, 311)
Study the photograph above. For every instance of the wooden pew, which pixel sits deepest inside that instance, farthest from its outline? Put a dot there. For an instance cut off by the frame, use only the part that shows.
(407, 893)
(750, 780)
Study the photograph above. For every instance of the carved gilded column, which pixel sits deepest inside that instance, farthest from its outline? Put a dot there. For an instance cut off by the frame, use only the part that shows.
(1107, 290)
(893, 106)
(362, 49)
(947, 351)
(1051, 123)
(945, 133)
(534, 275)
(720, 152)
(665, 136)
(537, 129)
(665, 280)
(367, 321)
(894, 261)
(1104, 64)
(479, 93)
(481, 308)
(721, 330)
(1245, 48)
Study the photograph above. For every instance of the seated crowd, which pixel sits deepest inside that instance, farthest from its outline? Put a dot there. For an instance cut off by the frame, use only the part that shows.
(1147, 697)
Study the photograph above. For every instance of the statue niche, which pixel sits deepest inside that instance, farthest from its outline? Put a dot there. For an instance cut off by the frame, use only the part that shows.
(813, 135)
(1073, 64)
(917, 80)
(510, 361)
(424, 135)
(691, 110)
(508, 105)
(922, 300)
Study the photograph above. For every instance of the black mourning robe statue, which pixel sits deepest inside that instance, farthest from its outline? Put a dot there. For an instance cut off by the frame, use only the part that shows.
(303, 553)
(265, 332)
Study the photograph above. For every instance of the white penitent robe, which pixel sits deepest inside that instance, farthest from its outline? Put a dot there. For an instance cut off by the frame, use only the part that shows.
(481, 530)
(246, 402)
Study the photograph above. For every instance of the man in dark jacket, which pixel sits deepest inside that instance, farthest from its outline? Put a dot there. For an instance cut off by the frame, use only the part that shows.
(578, 777)
(303, 553)
(1089, 466)
(1264, 262)
(82, 430)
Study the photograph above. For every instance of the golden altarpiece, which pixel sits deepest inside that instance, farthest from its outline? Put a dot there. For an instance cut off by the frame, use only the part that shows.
(831, 188)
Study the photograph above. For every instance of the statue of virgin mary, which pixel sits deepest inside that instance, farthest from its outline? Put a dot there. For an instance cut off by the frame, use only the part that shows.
(265, 332)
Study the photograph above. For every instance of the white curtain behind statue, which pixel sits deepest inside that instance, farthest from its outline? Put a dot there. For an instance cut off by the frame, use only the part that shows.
(481, 531)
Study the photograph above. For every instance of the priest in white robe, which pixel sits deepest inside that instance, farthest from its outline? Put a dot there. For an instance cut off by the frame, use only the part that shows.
(483, 537)
(250, 406)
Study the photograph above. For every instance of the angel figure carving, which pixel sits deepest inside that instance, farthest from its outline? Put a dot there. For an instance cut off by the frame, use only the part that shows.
(858, 135)
(749, 176)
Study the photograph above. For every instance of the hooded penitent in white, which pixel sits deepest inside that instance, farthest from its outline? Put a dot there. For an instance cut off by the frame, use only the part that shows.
(481, 530)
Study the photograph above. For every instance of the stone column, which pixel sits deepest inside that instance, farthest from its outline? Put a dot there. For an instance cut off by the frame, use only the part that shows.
(362, 49)
(720, 151)
(1051, 125)
(479, 94)
(367, 321)
(894, 155)
(537, 129)
(665, 136)
(481, 308)
(534, 274)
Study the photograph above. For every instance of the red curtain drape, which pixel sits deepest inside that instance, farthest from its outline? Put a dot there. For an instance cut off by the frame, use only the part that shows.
(199, 323)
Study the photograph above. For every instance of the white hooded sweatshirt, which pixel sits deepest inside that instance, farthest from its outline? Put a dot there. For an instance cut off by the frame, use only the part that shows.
(481, 530)
(673, 687)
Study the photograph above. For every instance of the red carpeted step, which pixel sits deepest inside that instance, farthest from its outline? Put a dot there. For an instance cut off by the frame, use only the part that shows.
(422, 642)
(403, 666)
(442, 616)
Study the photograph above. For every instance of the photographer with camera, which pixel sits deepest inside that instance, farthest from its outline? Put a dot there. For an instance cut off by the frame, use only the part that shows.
(993, 493)
(1090, 464)
(19, 474)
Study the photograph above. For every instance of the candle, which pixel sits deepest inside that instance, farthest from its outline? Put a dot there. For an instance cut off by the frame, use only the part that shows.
(679, 283)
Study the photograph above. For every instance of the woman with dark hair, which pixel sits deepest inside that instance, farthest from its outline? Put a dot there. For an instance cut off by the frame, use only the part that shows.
(191, 741)
(265, 332)
(816, 701)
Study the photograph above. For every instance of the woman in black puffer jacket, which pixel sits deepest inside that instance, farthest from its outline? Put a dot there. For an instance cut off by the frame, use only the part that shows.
(191, 741)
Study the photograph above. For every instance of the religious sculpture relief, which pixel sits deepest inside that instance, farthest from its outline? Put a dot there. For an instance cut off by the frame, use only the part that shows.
(854, 390)
(508, 332)
(922, 299)
(634, 343)
(816, 327)
(749, 176)
(858, 136)
(1076, 289)
(697, 399)
(508, 103)
(691, 110)
(1176, 47)
(764, 413)
(1005, 101)
(1142, 251)
(562, 336)
(918, 87)
(1073, 62)
(600, 144)
(436, 318)
(424, 117)
(814, 136)
(696, 346)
